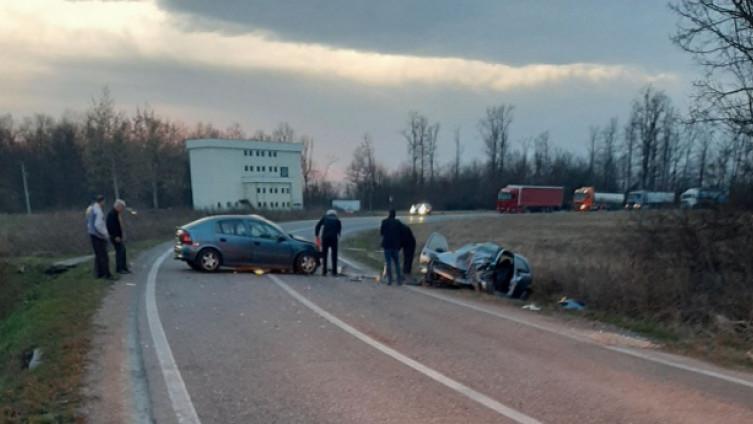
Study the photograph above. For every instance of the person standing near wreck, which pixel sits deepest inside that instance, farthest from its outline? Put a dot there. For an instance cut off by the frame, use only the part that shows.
(330, 228)
(97, 229)
(408, 246)
(115, 229)
(390, 232)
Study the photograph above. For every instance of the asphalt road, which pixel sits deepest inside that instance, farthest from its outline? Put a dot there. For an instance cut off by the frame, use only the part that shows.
(242, 348)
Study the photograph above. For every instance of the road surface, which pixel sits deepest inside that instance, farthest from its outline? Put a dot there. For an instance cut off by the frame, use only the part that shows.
(241, 348)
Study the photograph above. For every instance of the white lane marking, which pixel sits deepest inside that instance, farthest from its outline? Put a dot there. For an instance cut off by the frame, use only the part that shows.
(423, 369)
(176, 388)
(626, 351)
(630, 352)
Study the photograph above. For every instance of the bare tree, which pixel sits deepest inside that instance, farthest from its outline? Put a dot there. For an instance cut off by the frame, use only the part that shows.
(593, 137)
(718, 35)
(629, 143)
(431, 149)
(235, 132)
(458, 153)
(102, 130)
(608, 166)
(648, 116)
(150, 134)
(363, 171)
(307, 161)
(541, 157)
(421, 139)
(495, 132)
(284, 133)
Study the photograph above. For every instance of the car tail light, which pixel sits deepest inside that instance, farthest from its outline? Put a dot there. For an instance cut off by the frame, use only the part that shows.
(184, 237)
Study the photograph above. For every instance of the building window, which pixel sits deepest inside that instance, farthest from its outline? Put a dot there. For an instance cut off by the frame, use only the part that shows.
(284, 171)
(245, 168)
(258, 190)
(258, 168)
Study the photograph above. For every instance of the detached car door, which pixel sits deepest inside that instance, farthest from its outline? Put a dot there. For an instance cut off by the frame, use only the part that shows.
(234, 241)
(271, 247)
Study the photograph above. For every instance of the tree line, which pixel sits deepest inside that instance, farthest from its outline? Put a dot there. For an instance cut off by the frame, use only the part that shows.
(62, 163)
(655, 148)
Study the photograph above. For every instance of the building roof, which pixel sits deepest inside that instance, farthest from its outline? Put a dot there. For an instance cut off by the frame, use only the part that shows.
(221, 143)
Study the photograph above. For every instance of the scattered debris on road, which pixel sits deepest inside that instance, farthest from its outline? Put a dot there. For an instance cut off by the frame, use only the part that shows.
(32, 358)
(531, 307)
(571, 304)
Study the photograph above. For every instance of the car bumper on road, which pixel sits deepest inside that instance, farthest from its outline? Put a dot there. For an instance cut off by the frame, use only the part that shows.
(184, 253)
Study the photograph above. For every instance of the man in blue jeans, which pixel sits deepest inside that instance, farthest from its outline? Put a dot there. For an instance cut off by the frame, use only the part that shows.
(391, 230)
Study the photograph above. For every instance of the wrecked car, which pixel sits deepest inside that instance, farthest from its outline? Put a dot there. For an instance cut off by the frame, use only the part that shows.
(486, 267)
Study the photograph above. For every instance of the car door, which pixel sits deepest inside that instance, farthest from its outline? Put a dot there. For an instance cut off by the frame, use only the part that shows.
(234, 241)
(271, 248)
(523, 276)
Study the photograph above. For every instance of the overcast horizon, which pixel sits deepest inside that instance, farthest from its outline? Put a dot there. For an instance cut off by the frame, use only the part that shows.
(338, 69)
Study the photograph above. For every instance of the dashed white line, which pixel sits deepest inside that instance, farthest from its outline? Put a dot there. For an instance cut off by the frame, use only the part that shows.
(558, 332)
(176, 388)
(470, 393)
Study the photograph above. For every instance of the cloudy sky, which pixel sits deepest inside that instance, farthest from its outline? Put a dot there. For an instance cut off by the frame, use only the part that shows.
(336, 69)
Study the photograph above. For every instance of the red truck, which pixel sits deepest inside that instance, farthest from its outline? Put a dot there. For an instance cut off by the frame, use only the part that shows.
(522, 198)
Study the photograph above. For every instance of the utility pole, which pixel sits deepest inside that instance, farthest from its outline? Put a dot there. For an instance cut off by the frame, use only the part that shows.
(26, 189)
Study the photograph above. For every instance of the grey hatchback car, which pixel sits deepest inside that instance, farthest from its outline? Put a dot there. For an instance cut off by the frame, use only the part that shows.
(238, 241)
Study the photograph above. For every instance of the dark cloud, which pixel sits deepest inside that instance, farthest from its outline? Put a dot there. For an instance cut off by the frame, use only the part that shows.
(507, 31)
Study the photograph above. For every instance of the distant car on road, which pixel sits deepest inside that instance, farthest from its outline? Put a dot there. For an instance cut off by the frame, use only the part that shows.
(420, 209)
(238, 241)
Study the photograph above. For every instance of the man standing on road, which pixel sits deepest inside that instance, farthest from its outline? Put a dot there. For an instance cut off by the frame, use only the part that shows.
(95, 226)
(408, 246)
(330, 228)
(115, 229)
(390, 232)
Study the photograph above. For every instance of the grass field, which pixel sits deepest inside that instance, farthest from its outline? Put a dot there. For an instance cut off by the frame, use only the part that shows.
(640, 271)
(52, 313)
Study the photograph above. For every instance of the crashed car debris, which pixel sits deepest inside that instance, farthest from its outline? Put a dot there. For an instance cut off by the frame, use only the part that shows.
(486, 267)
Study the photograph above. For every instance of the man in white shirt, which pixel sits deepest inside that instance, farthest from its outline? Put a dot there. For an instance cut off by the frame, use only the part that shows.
(97, 229)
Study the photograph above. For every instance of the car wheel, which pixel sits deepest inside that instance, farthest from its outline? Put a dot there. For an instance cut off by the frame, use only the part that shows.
(306, 263)
(209, 260)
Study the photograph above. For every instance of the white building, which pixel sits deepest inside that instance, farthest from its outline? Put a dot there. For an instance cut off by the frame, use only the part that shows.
(229, 174)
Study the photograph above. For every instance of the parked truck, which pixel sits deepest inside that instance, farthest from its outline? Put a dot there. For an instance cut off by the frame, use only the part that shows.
(700, 198)
(642, 199)
(588, 199)
(523, 198)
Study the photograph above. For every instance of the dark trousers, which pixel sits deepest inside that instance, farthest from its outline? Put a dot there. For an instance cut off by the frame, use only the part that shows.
(392, 259)
(329, 245)
(408, 253)
(101, 261)
(120, 256)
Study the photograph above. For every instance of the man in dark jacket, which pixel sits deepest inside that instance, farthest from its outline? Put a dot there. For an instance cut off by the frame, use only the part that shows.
(390, 232)
(115, 229)
(408, 246)
(330, 228)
